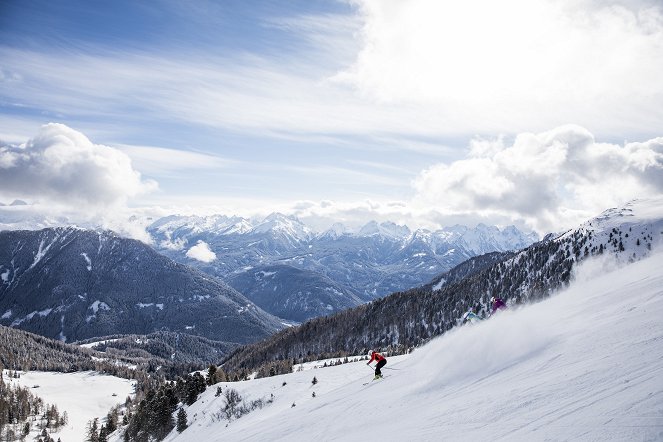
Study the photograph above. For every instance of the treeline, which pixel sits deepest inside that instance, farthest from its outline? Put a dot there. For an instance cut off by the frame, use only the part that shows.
(179, 348)
(97, 432)
(152, 418)
(21, 411)
(21, 350)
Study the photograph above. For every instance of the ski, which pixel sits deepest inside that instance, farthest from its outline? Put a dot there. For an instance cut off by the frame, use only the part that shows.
(373, 380)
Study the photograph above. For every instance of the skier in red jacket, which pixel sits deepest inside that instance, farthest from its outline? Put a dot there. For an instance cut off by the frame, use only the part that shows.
(381, 362)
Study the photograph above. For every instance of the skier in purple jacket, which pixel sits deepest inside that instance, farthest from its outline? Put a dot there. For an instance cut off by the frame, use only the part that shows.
(498, 304)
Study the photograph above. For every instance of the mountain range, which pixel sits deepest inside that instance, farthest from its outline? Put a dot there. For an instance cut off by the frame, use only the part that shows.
(73, 284)
(362, 265)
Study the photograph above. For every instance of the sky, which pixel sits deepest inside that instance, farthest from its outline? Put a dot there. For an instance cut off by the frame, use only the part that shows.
(536, 113)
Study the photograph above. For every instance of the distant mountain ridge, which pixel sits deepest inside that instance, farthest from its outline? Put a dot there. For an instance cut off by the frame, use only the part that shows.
(72, 284)
(368, 262)
(375, 260)
(301, 295)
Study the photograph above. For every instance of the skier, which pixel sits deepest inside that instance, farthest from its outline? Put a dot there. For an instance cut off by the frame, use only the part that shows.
(381, 361)
(471, 317)
(498, 304)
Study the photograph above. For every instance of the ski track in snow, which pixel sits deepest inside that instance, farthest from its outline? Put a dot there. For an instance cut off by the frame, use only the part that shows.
(584, 365)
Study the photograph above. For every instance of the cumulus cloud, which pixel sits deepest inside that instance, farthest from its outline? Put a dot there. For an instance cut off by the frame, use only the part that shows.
(552, 180)
(62, 165)
(201, 252)
(515, 64)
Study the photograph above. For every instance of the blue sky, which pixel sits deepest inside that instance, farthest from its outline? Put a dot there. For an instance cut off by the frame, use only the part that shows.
(423, 112)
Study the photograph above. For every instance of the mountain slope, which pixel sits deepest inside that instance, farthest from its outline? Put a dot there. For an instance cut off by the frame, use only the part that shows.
(72, 284)
(468, 268)
(406, 319)
(583, 365)
(291, 293)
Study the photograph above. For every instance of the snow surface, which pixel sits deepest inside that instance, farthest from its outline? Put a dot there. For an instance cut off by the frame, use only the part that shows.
(42, 251)
(92, 344)
(88, 261)
(439, 285)
(98, 305)
(584, 365)
(83, 395)
(29, 316)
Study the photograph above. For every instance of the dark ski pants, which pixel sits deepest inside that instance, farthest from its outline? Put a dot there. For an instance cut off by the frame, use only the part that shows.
(381, 364)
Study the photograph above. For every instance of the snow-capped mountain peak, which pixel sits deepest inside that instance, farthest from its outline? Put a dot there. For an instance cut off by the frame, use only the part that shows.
(387, 229)
(284, 225)
(335, 231)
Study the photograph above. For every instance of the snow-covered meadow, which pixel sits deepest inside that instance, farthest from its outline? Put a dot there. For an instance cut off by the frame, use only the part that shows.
(83, 395)
(585, 364)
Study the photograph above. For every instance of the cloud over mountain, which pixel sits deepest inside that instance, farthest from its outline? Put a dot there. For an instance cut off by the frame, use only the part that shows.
(62, 165)
(552, 178)
(201, 252)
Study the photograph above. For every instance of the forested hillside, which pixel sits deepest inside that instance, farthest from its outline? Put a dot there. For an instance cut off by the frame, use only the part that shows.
(72, 284)
(178, 348)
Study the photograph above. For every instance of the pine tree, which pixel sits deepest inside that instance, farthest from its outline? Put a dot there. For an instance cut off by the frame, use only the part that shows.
(181, 420)
(111, 421)
(211, 375)
(103, 434)
(92, 432)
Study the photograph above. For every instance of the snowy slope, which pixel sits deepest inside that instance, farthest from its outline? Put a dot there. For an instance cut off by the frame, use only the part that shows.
(83, 395)
(635, 228)
(583, 365)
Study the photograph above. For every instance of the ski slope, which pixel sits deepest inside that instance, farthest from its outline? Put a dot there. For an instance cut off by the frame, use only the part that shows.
(586, 364)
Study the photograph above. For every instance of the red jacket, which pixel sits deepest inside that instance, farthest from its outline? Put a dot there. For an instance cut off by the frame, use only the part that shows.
(376, 357)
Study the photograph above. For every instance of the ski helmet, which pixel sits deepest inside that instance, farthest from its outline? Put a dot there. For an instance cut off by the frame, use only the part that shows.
(492, 299)
(370, 352)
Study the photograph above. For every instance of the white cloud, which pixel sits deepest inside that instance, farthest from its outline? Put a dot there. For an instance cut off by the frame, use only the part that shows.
(552, 180)
(163, 161)
(63, 166)
(515, 64)
(420, 68)
(201, 252)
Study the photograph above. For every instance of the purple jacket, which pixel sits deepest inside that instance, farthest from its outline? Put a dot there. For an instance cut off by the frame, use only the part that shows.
(498, 304)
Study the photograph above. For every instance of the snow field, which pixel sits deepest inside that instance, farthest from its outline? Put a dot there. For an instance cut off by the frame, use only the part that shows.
(584, 365)
(83, 395)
